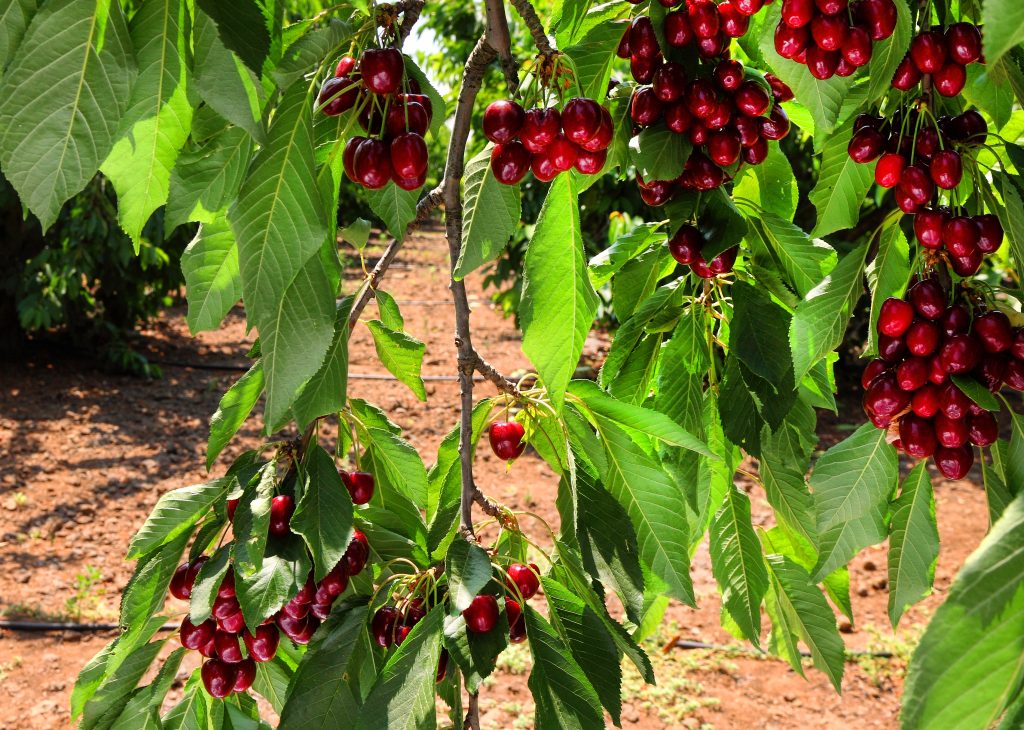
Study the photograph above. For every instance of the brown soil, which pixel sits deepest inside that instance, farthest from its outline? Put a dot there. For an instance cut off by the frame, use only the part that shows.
(84, 455)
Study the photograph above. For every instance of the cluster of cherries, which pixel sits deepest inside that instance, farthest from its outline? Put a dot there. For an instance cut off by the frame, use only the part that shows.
(922, 342)
(685, 247)
(700, 23)
(965, 238)
(395, 121)
(545, 140)
(833, 37)
(943, 56)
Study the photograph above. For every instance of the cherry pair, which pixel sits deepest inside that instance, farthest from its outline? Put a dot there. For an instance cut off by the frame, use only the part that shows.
(966, 238)
(941, 54)
(685, 247)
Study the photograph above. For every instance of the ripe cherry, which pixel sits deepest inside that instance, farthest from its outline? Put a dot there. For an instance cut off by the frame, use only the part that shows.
(245, 675)
(643, 41)
(950, 432)
(686, 244)
(960, 354)
(540, 128)
(1014, 375)
(704, 18)
(563, 153)
(928, 298)
(669, 84)
(917, 184)
(880, 17)
(720, 116)
(895, 317)
(928, 225)
(407, 116)
(728, 75)
(180, 586)
(857, 47)
(982, 429)
(994, 331)
(482, 614)
(345, 66)
(907, 75)
(218, 678)
(749, 129)
(506, 438)
(873, 370)
(622, 51)
(922, 338)
(963, 43)
(751, 99)
(503, 120)
(193, 636)
(228, 648)
(891, 349)
(702, 98)
(262, 645)
(866, 145)
(678, 32)
(791, 42)
(581, 117)
(968, 265)
(829, 31)
(821, 63)
(950, 79)
(300, 631)
(359, 485)
(357, 553)
(516, 622)
(281, 508)
(232, 623)
(925, 402)
(884, 399)
(408, 155)
(510, 162)
(928, 51)
(748, 7)
(337, 95)
(960, 235)
(657, 192)
(992, 371)
(442, 666)
(724, 147)
(797, 13)
(733, 23)
(525, 578)
(590, 163)
(372, 164)
(889, 169)
(917, 436)
(382, 70)
(946, 169)
(336, 581)
(990, 233)
(645, 107)
(953, 402)
(755, 154)
(912, 373)
(954, 463)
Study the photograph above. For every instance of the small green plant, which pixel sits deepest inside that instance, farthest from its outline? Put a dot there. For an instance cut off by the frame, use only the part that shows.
(87, 596)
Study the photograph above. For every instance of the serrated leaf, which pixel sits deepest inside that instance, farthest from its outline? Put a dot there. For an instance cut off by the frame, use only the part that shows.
(323, 516)
(988, 90)
(52, 144)
(224, 82)
(282, 573)
(913, 543)
(821, 318)
(976, 392)
(1004, 27)
(144, 594)
(967, 665)
(738, 564)
(144, 706)
(468, 569)
(558, 302)
(759, 333)
(305, 54)
(177, 512)
(401, 354)
(394, 206)
(327, 391)
(272, 681)
(783, 464)
(564, 697)
(852, 484)
(251, 523)
(593, 52)
(208, 580)
(721, 223)
(803, 260)
(626, 247)
(242, 29)
(156, 124)
(402, 466)
(659, 153)
(213, 284)
(492, 213)
(235, 406)
(772, 185)
(206, 178)
(842, 184)
(440, 107)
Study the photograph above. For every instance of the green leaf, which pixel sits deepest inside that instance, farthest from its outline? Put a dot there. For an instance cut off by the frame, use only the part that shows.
(235, 406)
(633, 329)
(14, 19)
(913, 543)
(803, 260)
(394, 206)
(625, 248)
(401, 354)
(821, 318)
(145, 703)
(206, 178)
(251, 523)
(156, 124)
(888, 275)
(210, 268)
(52, 143)
(327, 391)
(113, 694)
(658, 153)
(655, 506)
(887, 54)
(403, 469)
(323, 515)
(390, 314)
(242, 29)
(842, 184)
(759, 333)
(177, 512)
(987, 89)
(807, 615)
(492, 213)
(476, 655)
(437, 101)
(326, 691)
(852, 484)
(357, 233)
(976, 392)
(144, 594)
(225, 84)
(1012, 216)
(1003, 21)
(772, 185)
(738, 565)
(968, 663)
(564, 697)
(783, 464)
(272, 681)
(283, 573)
(403, 696)
(738, 409)
(278, 222)
(208, 580)
(305, 55)
(558, 302)
(637, 279)
(468, 569)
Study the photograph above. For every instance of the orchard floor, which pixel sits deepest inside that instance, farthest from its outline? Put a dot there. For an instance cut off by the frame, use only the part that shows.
(84, 455)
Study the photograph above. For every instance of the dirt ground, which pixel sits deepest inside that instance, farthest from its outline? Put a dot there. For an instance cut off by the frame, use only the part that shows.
(84, 455)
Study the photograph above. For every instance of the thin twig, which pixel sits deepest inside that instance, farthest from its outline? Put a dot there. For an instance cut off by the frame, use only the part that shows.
(472, 721)
(529, 16)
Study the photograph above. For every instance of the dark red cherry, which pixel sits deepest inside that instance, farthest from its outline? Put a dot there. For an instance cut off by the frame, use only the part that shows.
(938, 374)
(928, 228)
(357, 553)
(345, 66)
(482, 614)
(928, 51)
(751, 99)
(407, 116)
(645, 107)
(992, 371)
(658, 192)
(748, 7)
(281, 508)
(1017, 345)
(622, 51)
(797, 13)
(411, 183)
(879, 17)
(791, 42)
(506, 438)
(954, 463)
(262, 645)
(928, 298)
(829, 31)
(643, 41)
(677, 117)
(686, 244)
(540, 128)
(581, 117)
(994, 331)
(780, 90)
(720, 117)
(192, 636)
(733, 23)
(969, 127)
(228, 648)
(950, 432)
(225, 606)
(873, 370)
(890, 169)
(348, 159)
(245, 675)
(643, 68)
(946, 169)
(678, 32)
(723, 262)
(917, 184)
(968, 265)
(756, 153)
(701, 98)
(562, 153)
(602, 139)
(950, 79)
(590, 163)
(917, 436)
(669, 83)
(866, 145)
(300, 631)
(956, 320)
(776, 126)
(922, 338)
(1014, 375)
(963, 43)
(335, 582)
(891, 349)
(724, 147)
(526, 578)
(884, 399)
(728, 75)
(856, 47)
(218, 678)
(960, 235)
(180, 588)
(337, 95)
(960, 354)
(895, 316)
(503, 120)
(713, 47)
(372, 164)
(442, 666)
(232, 623)
(704, 18)
(516, 622)
(953, 402)
(382, 70)
(383, 626)
(925, 401)
(232, 504)
(982, 429)
(359, 485)
(907, 76)
(408, 155)
(990, 233)
(821, 63)
(905, 202)
(510, 162)
(912, 373)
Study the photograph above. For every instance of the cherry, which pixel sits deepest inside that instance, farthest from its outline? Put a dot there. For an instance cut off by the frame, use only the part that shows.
(889, 169)
(510, 162)
(411, 183)
(728, 75)
(928, 51)
(956, 320)
(969, 127)
(602, 139)
(905, 202)
(415, 612)
(797, 13)
(907, 75)
(928, 225)
(180, 586)
(359, 485)
(912, 373)
(917, 184)
(320, 610)
(281, 508)
(950, 79)
(922, 338)
(357, 553)
(482, 614)
(442, 666)
(218, 678)
(994, 331)
(382, 70)
(780, 91)
(372, 164)
(925, 402)
(724, 147)
(669, 82)
(917, 436)
(262, 646)
(516, 622)
(590, 163)
(622, 51)
(872, 371)
(408, 155)
(706, 174)
(950, 432)
(990, 233)
(581, 117)
(427, 105)
(295, 609)
(968, 265)
(300, 631)
(866, 145)
(954, 463)
(891, 349)
(723, 262)
(960, 354)
(503, 120)
(946, 169)
(928, 298)
(749, 129)
(1014, 375)
(720, 116)
(228, 648)
(895, 316)
(821, 63)
(245, 675)
(733, 23)
(335, 582)
(829, 31)
(953, 402)
(857, 47)
(884, 399)
(337, 95)
(643, 41)
(192, 636)
(982, 429)
(756, 153)
(407, 116)
(960, 234)
(658, 192)
(751, 99)
(701, 98)
(345, 66)
(791, 42)
(526, 579)
(963, 43)
(225, 606)
(678, 32)
(1017, 346)
(704, 18)
(540, 127)
(938, 374)
(506, 439)
(686, 244)
(880, 17)
(645, 107)
(232, 504)
(562, 153)
(748, 7)
(232, 623)
(992, 371)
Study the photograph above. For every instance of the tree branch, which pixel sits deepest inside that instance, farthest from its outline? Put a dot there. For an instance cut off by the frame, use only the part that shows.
(472, 721)
(500, 40)
(529, 16)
